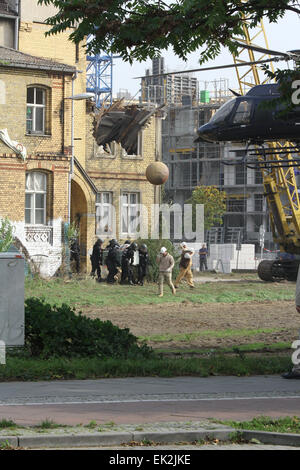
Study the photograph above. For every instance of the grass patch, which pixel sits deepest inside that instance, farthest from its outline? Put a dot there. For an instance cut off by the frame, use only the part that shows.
(48, 424)
(86, 292)
(228, 333)
(91, 425)
(265, 423)
(247, 348)
(7, 424)
(23, 369)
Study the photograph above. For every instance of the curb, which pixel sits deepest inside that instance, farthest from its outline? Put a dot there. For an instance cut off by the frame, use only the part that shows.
(112, 439)
(158, 437)
(275, 438)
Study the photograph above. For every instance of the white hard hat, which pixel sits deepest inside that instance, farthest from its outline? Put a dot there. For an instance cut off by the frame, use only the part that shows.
(183, 245)
(163, 249)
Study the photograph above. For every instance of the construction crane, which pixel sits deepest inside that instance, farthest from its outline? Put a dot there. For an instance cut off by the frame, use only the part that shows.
(277, 164)
(276, 160)
(99, 77)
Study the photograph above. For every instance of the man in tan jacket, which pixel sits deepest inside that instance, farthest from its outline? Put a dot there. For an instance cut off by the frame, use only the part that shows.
(165, 265)
(185, 266)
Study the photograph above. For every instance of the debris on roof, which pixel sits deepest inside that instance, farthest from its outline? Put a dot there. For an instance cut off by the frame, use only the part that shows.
(121, 124)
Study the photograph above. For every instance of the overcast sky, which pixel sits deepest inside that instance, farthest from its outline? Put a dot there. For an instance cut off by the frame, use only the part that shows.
(281, 37)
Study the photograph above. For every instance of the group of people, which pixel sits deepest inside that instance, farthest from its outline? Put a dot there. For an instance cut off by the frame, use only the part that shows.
(120, 259)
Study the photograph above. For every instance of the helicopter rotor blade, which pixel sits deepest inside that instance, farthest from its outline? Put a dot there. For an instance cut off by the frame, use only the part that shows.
(234, 92)
(217, 67)
(263, 50)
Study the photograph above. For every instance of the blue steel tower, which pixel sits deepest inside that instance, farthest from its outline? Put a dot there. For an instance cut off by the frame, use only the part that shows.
(99, 77)
(99, 74)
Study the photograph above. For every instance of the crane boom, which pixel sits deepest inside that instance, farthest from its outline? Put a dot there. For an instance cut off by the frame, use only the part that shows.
(279, 179)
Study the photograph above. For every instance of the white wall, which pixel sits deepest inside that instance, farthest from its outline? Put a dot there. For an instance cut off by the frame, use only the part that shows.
(47, 256)
(31, 11)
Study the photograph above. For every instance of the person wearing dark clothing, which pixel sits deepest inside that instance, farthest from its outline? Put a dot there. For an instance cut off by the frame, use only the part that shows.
(203, 258)
(127, 262)
(143, 263)
(97, 259)
(112, 261)
(75, 253)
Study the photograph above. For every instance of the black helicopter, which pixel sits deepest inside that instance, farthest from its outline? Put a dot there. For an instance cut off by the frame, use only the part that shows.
(247, 118)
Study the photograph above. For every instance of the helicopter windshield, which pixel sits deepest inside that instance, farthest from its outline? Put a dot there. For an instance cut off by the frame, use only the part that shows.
(223, 112)
(243, 113)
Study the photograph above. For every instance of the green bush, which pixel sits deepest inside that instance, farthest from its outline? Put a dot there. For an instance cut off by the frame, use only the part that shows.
(6, 234)
(52, 331)
(154, 247)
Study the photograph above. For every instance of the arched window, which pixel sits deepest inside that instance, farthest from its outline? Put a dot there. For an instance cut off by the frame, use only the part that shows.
(35, 198)
(36, 110)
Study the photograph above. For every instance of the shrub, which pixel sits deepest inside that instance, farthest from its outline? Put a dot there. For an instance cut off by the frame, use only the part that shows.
(52, 331)
(6, 234)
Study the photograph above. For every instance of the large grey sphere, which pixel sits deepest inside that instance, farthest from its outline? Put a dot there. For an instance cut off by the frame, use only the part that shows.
(157, 173)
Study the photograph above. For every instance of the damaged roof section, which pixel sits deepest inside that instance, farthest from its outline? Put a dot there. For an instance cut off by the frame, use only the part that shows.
(121, 124)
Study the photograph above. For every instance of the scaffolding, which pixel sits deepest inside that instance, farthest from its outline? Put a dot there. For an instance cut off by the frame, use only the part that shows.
(192, 164)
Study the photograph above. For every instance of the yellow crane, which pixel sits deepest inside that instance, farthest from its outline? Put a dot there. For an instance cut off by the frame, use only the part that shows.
(277, 165)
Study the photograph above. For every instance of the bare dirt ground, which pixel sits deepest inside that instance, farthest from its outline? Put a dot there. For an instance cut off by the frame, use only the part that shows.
(207, 320)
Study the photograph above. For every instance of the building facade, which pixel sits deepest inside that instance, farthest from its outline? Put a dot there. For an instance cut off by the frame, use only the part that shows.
(34, 186)
(176, 89)
(65, 176)
(122, 187)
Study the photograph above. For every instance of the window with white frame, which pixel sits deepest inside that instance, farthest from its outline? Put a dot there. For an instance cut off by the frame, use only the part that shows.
(130, 213)
(104, 213)
(35, 111)
(35, 198)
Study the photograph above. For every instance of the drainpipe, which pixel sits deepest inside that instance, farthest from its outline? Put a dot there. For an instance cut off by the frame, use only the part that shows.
(17, 21)
(73, 97)
(72, 150)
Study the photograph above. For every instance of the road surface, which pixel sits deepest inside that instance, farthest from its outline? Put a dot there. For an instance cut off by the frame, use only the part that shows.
(149, 400)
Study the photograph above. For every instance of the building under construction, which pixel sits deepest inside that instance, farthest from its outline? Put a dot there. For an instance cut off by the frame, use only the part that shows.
(170, 89)
(192, 164)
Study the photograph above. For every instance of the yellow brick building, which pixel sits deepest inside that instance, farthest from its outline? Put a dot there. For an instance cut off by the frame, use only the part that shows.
(121, 182)
(37, 75)
(34, 184)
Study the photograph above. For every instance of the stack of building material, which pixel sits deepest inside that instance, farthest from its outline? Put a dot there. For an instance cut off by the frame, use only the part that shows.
(226, 257)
